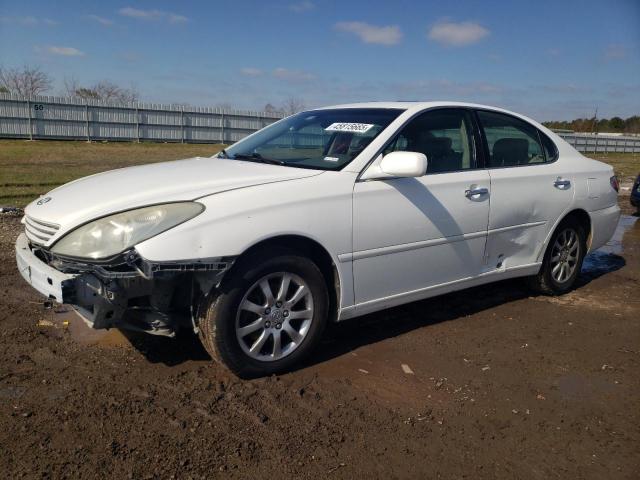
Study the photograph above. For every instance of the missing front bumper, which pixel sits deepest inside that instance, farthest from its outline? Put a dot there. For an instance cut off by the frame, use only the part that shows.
(157, 299)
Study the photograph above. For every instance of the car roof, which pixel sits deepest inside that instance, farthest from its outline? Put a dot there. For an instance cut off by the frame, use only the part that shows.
(417, 105)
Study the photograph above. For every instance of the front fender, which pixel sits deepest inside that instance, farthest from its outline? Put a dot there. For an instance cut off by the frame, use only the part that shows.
(318, 208)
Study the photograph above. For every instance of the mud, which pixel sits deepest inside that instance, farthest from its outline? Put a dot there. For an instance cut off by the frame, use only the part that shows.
(490, 382)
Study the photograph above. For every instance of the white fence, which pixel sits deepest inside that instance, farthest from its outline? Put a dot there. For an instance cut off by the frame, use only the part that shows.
(602, 143)
(44, 117)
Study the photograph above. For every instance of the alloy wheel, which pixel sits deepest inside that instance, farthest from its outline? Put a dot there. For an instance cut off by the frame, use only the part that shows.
(274, 316)
(565, 255)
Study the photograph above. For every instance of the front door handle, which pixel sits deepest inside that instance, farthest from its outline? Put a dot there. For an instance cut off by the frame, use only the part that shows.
(561, 183)
(475, 192)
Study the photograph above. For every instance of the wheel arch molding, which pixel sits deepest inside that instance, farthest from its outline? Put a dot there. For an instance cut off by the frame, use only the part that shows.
(305, 246)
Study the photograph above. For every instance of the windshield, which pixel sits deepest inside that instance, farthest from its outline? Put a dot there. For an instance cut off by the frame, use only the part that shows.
(321, 139)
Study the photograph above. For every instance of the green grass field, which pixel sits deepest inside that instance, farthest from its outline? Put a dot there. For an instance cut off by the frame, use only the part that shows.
(31, 168)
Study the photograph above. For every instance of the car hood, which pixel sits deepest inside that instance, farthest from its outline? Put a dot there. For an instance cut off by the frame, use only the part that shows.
(126, 188)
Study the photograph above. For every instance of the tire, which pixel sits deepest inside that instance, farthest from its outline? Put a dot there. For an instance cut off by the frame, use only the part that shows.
(230, 312)
(550, 280)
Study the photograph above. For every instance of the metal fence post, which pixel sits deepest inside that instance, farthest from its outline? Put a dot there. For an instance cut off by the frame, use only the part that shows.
(137, 125)
(30, 120)
(222, 127)
(86, 120)
(181, 123)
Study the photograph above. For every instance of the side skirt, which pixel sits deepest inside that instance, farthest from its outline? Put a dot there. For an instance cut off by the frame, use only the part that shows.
(435, 290)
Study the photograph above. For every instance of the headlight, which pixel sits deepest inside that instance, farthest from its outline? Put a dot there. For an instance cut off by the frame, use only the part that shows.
(110, 235)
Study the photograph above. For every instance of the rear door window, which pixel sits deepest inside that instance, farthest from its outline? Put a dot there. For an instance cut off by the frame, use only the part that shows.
(511, 141)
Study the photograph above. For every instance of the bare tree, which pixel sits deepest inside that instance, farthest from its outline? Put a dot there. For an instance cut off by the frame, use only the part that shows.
(271, 109)
(71, 87)
(103, 90)
(26, 81)
(292, 105)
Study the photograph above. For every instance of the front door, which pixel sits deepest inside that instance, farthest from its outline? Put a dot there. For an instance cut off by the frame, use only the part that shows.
(412, 234)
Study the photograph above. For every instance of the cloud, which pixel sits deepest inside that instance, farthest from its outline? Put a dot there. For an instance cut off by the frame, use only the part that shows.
(381, 35)
(251, 72)
(64, 51)
(101, 20)
(142, 14)
(152, 15)
(454, 34)
(615, 52)
(303, 6)
(554, 52)
(294, 76)
(28, 21)
(175, 18)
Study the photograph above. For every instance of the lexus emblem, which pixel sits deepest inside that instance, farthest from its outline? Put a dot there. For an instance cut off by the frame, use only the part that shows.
(44, 200)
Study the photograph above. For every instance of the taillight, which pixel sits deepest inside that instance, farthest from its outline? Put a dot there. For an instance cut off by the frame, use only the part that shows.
(614, 183)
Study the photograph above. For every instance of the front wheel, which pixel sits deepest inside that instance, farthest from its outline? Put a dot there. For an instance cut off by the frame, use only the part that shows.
(563, 259)
(267, 316)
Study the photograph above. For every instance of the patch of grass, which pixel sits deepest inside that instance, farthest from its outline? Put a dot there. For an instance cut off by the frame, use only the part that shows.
(31, 168)
(625, 165)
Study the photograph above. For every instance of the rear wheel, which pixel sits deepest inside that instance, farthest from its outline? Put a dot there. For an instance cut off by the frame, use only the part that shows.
(563, 259)
(267, 316)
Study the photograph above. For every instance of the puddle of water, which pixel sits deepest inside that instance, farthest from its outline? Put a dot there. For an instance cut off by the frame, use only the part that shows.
(607, 258)
(614, 245)
(84, 334)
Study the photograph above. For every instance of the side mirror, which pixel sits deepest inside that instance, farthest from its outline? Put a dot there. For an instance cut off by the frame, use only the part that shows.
(404, 164)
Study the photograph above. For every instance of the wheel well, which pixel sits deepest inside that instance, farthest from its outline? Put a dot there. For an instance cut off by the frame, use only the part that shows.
(312, 250)
(584, 220)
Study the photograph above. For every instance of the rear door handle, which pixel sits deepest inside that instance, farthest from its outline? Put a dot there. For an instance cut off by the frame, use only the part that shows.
(561, 183)
(474, 192)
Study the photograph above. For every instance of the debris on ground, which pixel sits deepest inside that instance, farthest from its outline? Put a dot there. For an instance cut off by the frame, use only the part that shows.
(407, 369)
(11, 210)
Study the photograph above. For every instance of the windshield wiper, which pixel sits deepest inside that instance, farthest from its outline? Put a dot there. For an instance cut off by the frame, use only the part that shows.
(256, 157)
(224, 153)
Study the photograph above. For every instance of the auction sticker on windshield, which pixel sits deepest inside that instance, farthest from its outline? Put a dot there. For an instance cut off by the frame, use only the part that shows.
(349, 127)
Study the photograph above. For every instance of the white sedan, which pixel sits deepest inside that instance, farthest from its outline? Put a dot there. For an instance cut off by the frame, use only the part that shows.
(323, 216)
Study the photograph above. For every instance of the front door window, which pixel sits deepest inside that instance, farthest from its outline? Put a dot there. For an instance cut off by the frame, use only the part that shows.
(443, 135)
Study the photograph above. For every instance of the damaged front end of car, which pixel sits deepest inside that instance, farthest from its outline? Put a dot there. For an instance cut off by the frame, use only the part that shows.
(96, 268)
(126, 291)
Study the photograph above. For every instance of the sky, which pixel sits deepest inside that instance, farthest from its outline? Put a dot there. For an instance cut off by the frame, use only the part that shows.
(552, 60)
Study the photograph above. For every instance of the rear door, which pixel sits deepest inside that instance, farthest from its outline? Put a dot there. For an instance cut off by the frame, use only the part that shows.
(530, 189)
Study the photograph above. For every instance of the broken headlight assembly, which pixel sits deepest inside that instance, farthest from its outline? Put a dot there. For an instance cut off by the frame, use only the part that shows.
(108, 236)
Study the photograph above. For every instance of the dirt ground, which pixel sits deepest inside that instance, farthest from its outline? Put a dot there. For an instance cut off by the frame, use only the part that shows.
(496, 383)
